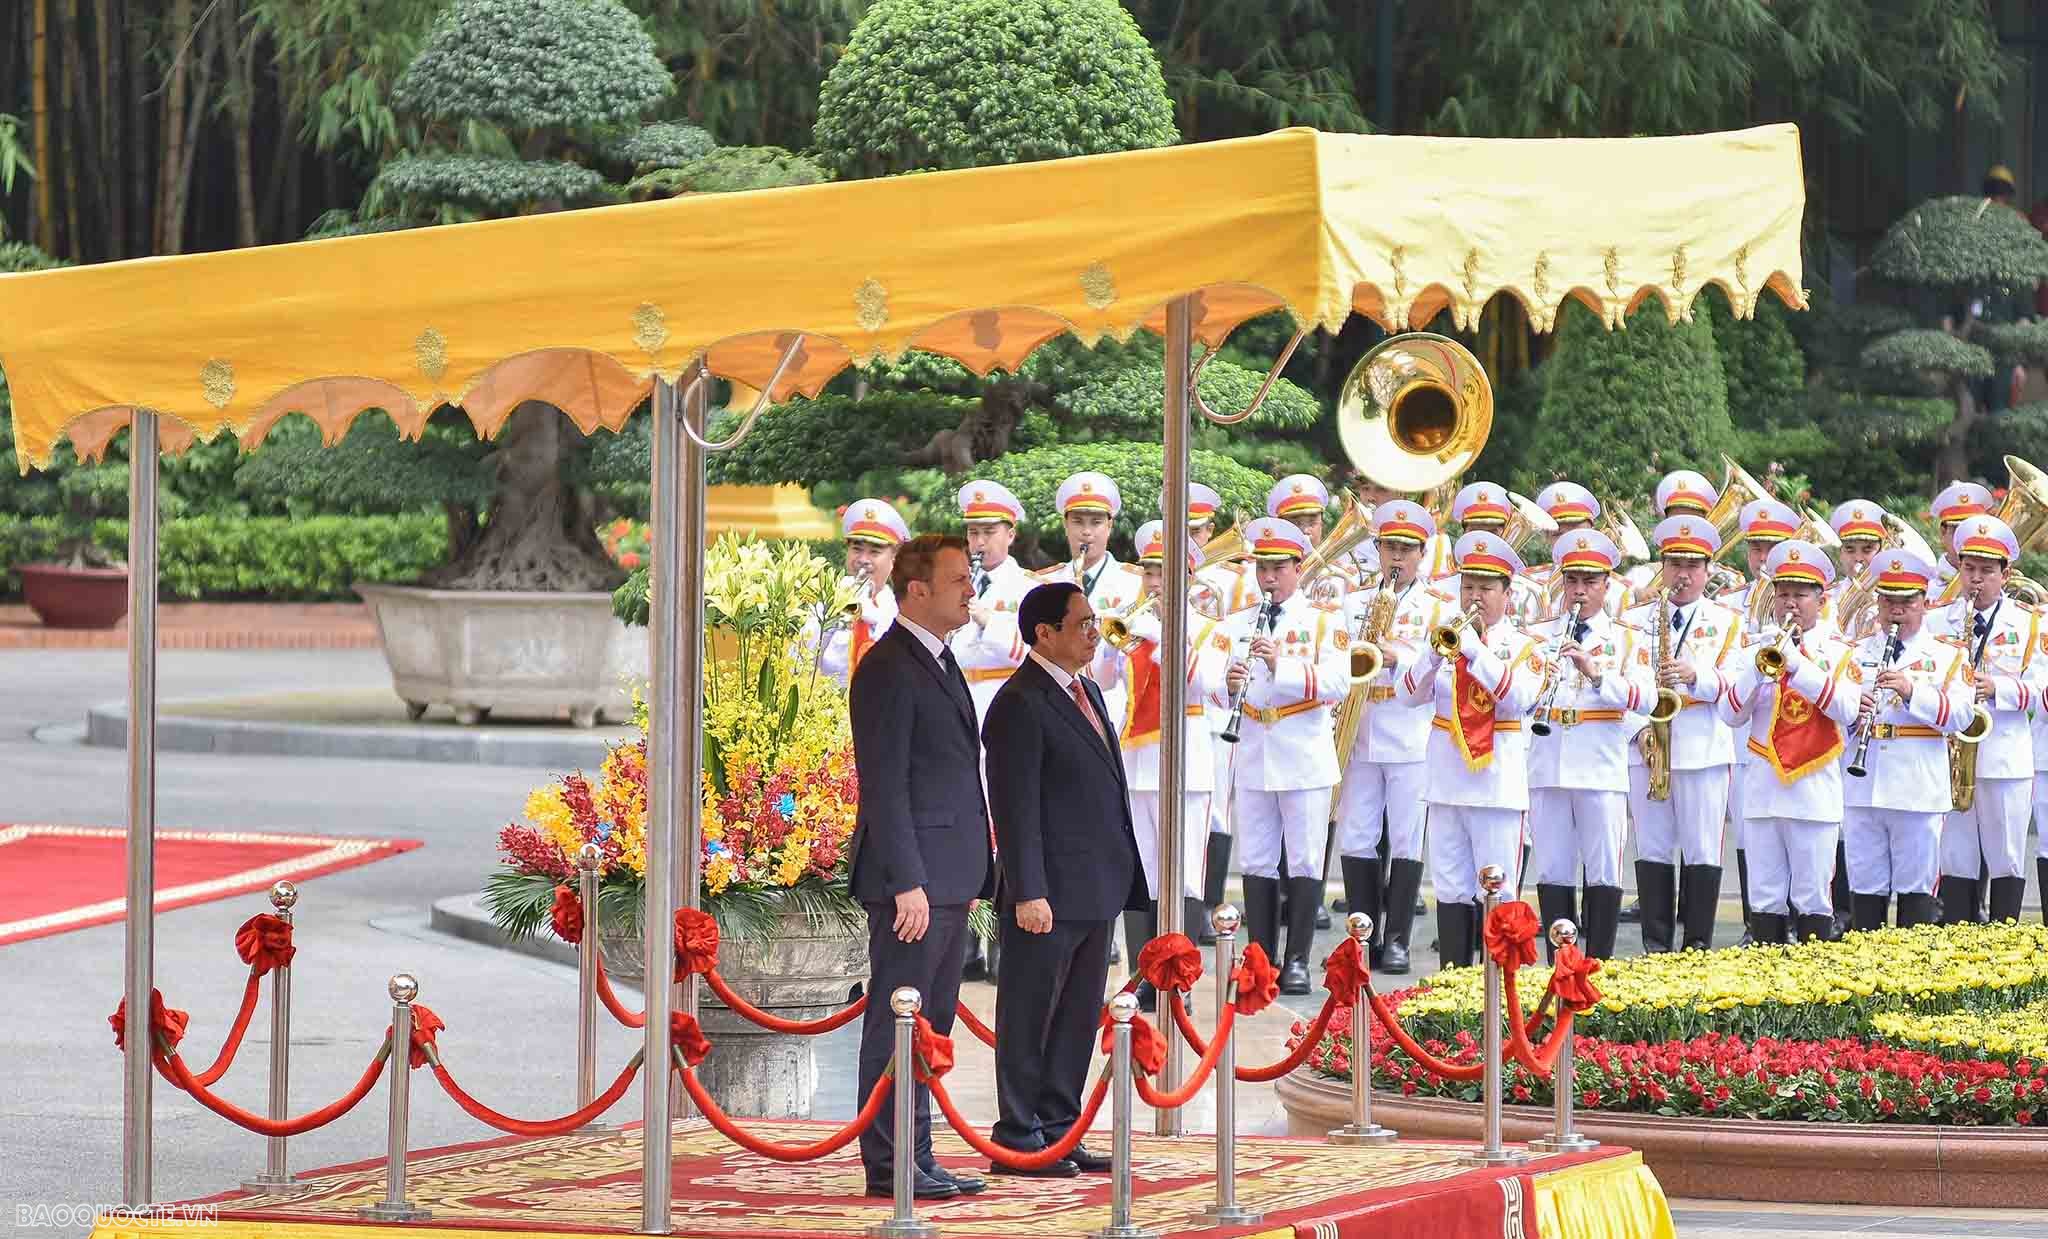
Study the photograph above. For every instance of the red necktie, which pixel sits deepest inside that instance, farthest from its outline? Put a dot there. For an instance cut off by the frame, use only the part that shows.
(1087, 711)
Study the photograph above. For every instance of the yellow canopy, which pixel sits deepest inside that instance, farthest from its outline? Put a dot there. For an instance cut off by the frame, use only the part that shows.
(581, 309)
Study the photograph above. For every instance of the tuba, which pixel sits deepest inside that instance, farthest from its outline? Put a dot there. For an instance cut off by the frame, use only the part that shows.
(1415, 412)
(1352, 528)
(1738, 491)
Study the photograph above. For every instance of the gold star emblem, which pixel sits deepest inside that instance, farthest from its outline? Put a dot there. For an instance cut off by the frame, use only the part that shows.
(980, 495)
(1792, 556)
(1898, 565)
(1983, 529)
(1299, 488)
(870, 515)
(1087, 488)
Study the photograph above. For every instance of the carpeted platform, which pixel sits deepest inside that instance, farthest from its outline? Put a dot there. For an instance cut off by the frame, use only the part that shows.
(589, 1184)
(58, 878)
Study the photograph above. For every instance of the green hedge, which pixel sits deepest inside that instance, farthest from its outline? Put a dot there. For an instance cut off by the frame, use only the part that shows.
(279, 559)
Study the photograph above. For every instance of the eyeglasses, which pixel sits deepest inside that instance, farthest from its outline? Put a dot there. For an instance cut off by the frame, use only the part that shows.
(1091, 624)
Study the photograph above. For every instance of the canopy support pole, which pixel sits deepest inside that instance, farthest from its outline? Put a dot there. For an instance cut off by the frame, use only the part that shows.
(139, 971)
(688, 686)
(1173, 671)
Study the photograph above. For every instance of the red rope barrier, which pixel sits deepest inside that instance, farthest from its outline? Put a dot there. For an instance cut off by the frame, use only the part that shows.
(982, 1032)
(1271, 1071)
(1038, 1159)
(877, 1098)
(522, 1127)
(774, 1023)
(1196, 1078)
(1436, 1066)
(173, 1069)
(228, 1048)
(631, 1019)
(1541, 1059)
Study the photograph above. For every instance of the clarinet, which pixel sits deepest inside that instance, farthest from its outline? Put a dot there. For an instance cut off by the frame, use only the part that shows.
(1269, 618)
(1866, 726)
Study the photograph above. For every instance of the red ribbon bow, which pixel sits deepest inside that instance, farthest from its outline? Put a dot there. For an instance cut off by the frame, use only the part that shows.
(1511, 935)
(567, 914)
(696, 942)
(1173, 962)
(1148, 1048)
(425, 1024)
(1346, 972)
(265, 942)
(1571, 978)
(1258, 982)
(684, 1034)
(166, 1023)
(933, 1053)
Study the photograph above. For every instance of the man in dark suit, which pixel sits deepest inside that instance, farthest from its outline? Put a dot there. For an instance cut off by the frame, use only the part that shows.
(920, 850)
(1069, 866)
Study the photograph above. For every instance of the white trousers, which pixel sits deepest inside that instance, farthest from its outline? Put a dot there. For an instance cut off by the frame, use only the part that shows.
(1268, 821)
(1993, 831)
(1736, 822)
(1687, 829)
(1574, 828)
(1463, 840)
(1373, 789)
(1194, 829)
(1791, 865)
(1890, 851)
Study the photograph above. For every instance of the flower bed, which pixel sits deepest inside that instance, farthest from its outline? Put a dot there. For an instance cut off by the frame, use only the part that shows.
(1927, 1025)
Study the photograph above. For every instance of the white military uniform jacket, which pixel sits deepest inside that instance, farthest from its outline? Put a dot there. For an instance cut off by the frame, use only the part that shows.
(1710, 637)
(988, 655)
(2006, 659)
(877, 612)
(1590, 727)
(1208, 660)
(1509, 670)
(1392, 731)
(1285, 744)
(1825, 673)
(1909, 758)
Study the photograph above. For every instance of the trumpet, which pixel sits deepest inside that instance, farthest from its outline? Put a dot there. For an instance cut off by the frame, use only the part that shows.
(1269, 616)
(1770, 660)
(1553, 675)
(1866, 723)
(1117, 628)
(1446, 638)
(851, 611)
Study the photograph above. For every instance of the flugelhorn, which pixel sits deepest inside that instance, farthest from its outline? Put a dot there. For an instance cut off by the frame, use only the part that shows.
(1117, 628)
(1446, 638)
(1770, 660)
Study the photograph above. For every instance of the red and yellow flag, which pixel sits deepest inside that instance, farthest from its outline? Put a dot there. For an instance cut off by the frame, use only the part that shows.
(1802, 738)
(863, 640)
(1141, 709)
(1472, 721)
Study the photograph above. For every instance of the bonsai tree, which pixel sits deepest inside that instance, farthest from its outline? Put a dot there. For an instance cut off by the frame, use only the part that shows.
(1980, 261)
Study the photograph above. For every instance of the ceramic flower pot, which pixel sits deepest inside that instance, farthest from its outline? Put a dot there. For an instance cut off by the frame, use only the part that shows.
(67, 597)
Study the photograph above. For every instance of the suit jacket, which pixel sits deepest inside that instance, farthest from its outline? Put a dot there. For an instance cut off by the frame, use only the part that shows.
(1062, 808)
(923, 820)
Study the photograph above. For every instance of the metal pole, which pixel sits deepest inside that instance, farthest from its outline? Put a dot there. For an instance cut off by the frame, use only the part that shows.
(1173, 671)
(1491, 1152)
(1361, 1129)
(1226, 1211)
(1563, 1138)
(395, 1207)
(276, 1179)
(665, 787)
(139, 969)
(903, 1223)
(589, 861)
(689, 687)
(1122, 1009)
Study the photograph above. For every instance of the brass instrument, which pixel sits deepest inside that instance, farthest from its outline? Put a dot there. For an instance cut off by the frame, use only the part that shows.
(1962, 746)
(1269, 615)
(1528, 519)
(1553, 675)
(1738, 491)
(1368, 659)
(2025, 512)
(851, 611)
(1657, 736)
(1866, 722)
(1899, 533)
(1446, 638)
(1117, 628)
(1352, 528)
(1619, 526)
(1222, 548)
(1415, 411)
(1770, 660)
(1817, 529)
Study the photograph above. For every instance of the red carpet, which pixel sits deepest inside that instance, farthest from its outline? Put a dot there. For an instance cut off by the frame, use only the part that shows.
(58, 878)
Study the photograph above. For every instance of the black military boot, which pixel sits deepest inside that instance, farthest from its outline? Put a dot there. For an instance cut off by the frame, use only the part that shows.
(1844, 899)
(1742, 883)
(1916, 908)
(1404, 879)
(1304, 896)
(1702, 899)
(1867, 912)
(1767, 927)
(1262, 914)
(2006, 894)
(1603, 919)
(974, 967)
(1456, 927)
(1656, 893)
(1362, 893)
(1958, 899)
(1553, 902)
(1818, 927)
(1215, 880)
(1194, 917)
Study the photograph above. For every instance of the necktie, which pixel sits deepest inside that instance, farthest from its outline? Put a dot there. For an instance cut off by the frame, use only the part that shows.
(1087, 711)
(981, 586)
(953, 676)
(1579, 630)
(1980, 626)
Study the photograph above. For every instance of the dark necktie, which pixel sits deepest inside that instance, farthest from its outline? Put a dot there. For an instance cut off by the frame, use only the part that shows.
(1980, 627)
(981, 586)
(1579, 630)
(957, 681)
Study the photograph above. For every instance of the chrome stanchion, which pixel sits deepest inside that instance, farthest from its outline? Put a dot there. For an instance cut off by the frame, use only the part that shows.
(1562, 1137)
(395, 1207)
(1361, 1129)
(903, 1224)
(1491, 1152)
(589, 863)
(1226, 1211)
(1122, 1009)
(276, 1179)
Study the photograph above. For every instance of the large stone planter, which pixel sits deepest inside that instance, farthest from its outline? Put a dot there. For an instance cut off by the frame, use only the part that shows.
(799, 973)
(1735, 1159)
(485, 651)
(67, 597)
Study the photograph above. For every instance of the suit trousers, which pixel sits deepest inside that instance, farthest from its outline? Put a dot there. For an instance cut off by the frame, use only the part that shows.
(931, 966)
(1373, 789)
(1297, 820)
(1048, 1011)
(1687, 829)
(1194, 846)
(1891, 851)
(1572, 828)
(1792, 865)
(1994, 830)
(1463, 840)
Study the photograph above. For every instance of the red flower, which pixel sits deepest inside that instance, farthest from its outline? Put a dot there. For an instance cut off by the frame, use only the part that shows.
(1521, 1092)
(629, 560)
(1922, 1100)
(2023, 1117)
(1832, 1102)
(567, 914)
(1866, 1086)
(1408, 1088)
(1887, 1107)
(1982, 1095)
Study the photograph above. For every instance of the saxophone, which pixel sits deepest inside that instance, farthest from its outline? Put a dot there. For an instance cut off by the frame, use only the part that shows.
(1962, 746)
(1373, 628)
(1657, 736)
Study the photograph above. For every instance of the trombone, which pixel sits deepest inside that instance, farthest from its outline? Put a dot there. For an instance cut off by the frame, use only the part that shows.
(1446, 638)
(1553, 674)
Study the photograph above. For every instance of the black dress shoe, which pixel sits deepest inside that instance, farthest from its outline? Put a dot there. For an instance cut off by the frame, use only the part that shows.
(1062, 1169)
(923, 1187)
(1394, 961)
(975, 969)
(965, 1184)
(1294, 977)
(1089, 1163)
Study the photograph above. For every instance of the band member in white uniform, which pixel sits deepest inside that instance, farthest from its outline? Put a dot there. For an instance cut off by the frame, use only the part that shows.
(1295, 666)
(1795, 721)
(1384, 782)
(1859, 526)
(1764, 523)
(873, 531)
(1133, 662)
(1679, 838)
(1484, 506)
(1301, 499)
(1916, 694)
(1477, 758)
(1573, 507)
(1957, 502)
(1680, 492)
(2000, 637)
(1089, 503)
(989, 647)
(1218, 591)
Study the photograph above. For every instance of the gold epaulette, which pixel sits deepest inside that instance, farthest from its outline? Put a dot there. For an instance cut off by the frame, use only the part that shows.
(1048, 572)
(1330, 607)
(1441, 595)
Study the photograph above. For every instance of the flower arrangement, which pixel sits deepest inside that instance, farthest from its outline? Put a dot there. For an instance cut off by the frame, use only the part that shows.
(1924, 1025)
(779, 788)
(627, 541)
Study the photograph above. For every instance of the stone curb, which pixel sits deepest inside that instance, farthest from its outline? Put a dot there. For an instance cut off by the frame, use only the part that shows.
(465, 917)
(107, 727)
